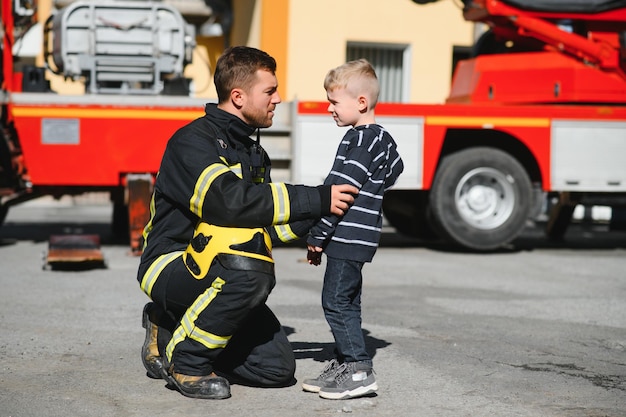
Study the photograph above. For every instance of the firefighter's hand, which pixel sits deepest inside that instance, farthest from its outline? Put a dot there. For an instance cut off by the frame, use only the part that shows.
(314, 255)
(341, 198)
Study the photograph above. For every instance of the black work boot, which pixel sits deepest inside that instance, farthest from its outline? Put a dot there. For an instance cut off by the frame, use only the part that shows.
(210, 387)
(150, 355)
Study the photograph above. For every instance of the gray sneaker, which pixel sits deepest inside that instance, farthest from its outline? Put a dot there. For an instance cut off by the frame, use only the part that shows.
(327, 376)
(350, 382)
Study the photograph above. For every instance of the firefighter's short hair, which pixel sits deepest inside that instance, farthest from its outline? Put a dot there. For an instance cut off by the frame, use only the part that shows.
(237, 67)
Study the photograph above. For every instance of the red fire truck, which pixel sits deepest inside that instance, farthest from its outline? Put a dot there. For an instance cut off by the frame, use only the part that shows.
(539, 109)
(130, 57)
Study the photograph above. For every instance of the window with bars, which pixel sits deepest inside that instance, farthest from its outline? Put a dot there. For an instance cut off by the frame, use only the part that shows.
(391, 64)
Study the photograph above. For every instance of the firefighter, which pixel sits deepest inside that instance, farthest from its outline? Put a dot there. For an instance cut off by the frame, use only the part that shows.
(207, 258)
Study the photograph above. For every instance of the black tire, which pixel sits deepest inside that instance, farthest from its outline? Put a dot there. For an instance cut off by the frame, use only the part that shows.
(4, 210)
(406, 211)
(481, 198)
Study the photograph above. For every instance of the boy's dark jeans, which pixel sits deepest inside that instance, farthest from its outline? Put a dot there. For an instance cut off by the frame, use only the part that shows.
(341, 300)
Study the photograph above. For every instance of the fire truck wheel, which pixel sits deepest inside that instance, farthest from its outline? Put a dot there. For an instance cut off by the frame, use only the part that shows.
(480, 198)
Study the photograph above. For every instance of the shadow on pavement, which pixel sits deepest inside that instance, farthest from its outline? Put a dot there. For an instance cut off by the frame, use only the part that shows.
(323, 351)
(12, 232)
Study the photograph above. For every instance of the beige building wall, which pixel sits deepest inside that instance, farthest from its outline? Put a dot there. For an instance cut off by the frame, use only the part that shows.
(319, 31)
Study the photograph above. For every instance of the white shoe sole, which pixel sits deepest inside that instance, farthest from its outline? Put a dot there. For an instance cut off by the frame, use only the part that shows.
(311, 388)
(358, 392)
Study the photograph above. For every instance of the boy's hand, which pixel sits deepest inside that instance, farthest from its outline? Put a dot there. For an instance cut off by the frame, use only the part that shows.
(341, 198)
(314, 255)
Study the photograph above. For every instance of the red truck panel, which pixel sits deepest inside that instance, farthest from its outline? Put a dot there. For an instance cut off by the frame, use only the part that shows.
(112, 140)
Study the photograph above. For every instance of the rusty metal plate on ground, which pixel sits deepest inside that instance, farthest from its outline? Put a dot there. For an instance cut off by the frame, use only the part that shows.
(74, 251)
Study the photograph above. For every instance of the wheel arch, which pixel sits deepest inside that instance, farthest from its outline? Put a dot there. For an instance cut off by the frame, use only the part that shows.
(459, 139)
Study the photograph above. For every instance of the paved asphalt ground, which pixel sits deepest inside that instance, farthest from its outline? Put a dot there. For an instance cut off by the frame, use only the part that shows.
(538, 329)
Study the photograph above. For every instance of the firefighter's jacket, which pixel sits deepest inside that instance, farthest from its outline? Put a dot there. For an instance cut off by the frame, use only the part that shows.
(212, 171)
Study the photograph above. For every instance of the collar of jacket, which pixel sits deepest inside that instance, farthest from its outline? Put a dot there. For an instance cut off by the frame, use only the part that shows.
(236, 128)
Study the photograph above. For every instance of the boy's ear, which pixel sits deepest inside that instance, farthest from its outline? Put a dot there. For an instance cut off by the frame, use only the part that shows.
(362, 104)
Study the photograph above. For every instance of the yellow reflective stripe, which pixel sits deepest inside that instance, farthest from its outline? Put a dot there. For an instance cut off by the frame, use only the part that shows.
(236, 168)
(188, 327)
(488, 122)
(211, 341)
(281, 203)
(177, 337)
(285, 234)
(153, 272)
(202, 186)
(104, 113)
(148, 228)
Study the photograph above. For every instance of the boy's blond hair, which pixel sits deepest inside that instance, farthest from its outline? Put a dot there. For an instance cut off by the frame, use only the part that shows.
(357, 77)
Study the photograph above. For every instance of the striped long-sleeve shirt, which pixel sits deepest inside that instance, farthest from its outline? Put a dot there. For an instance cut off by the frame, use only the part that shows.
(368, 159)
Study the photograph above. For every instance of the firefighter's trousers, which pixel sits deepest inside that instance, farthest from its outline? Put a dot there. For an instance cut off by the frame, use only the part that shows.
(223, 325)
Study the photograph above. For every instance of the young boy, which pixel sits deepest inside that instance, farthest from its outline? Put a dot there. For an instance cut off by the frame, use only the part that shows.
(367, 158)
